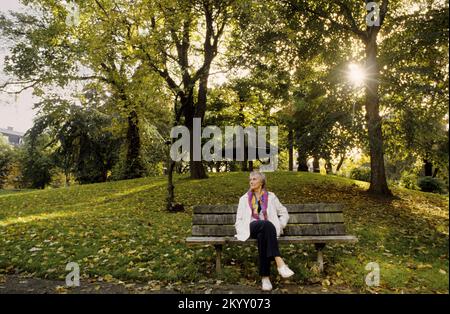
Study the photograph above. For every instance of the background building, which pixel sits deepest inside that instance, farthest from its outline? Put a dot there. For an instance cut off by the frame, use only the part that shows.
(12, 137)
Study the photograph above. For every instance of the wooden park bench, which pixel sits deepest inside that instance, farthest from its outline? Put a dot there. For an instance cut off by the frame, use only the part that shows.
(319, 224)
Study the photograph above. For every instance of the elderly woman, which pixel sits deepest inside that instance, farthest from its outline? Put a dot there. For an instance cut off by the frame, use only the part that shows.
(261, 216)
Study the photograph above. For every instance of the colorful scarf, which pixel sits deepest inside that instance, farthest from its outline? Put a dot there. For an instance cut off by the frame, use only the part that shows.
(253, 203)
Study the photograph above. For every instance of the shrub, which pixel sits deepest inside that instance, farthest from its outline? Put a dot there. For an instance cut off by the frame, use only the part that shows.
(361, 173)
(6, 158)
(409, 180)
(430, 184)
(4, 168)
(58, 178)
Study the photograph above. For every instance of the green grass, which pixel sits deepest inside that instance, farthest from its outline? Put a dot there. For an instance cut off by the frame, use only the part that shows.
(120, 230)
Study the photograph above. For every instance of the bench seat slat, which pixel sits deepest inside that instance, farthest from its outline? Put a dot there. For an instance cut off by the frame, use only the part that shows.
(282, 239)
(313, 229)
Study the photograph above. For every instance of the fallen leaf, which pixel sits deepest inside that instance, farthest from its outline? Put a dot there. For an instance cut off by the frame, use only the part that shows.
(326, 282)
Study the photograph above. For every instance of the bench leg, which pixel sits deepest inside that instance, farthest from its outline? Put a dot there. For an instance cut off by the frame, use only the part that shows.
(319, 248)
(218, 258)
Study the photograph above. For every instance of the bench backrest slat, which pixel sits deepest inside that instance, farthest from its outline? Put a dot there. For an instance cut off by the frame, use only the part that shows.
(292, 208)
(305, 219)
(311, 218)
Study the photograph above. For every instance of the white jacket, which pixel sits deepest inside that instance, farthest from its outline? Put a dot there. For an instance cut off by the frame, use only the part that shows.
(276, 213)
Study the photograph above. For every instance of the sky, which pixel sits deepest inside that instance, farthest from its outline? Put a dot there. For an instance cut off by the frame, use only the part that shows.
(15, 110)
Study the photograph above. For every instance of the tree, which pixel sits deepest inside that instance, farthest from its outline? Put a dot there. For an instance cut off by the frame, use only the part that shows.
(35, 161)
(298, 63)
(415, 84)
(120, 43)
(341, 16)
(78, 139)
(48, 52)
(84, 140)
(173, 28)
(241, 102)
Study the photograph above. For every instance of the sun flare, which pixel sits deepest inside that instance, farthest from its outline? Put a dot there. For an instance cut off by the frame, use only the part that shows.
(356, 74)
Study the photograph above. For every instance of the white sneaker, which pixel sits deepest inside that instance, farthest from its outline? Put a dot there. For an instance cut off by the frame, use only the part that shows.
(266, 284)
(285, 271)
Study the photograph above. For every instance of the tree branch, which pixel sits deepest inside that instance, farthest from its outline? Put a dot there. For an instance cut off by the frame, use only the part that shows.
(102, 8)
(34, 83)
(322, 15)
(383, 11)
(38, 81)
(163, 73)
(347, 12)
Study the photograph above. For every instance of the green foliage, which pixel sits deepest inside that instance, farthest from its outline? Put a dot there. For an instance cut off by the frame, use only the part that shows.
(92, 148)
(56, 54)
(140, 55)
(59, 178)
(361, 173)
(299, 63)
(430, 184)
(414, 55)
(79, 140)
(409, 180)
(153, 153)
(36, 162)
(6, 156)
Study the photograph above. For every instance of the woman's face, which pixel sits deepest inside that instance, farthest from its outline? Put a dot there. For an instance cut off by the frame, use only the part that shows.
(255, 183)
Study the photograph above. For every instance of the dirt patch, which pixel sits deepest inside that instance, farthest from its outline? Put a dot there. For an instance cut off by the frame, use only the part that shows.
(16, 284)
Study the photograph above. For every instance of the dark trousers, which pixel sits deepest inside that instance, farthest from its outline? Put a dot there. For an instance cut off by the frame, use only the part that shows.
(264, 231)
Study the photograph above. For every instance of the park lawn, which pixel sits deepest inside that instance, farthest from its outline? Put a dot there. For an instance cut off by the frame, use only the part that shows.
(119, 231)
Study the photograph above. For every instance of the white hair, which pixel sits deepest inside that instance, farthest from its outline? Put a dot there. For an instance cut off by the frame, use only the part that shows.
(261, 177)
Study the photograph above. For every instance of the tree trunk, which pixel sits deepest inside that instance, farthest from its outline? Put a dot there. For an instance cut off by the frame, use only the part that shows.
(291, 149)
(66, 176)
(316, 165)
(196, 168)
(178, 167)
(250, 165)
(428, 167)
(245, 162)
(378, 183)
(104, 175)
(232, 166)
(435, 172)
(133, 165)
(328, 166)
(301, 160)
(170, 186)
(341, 161)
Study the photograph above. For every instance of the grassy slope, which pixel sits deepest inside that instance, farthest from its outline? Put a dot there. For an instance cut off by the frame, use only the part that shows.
(119, 230)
